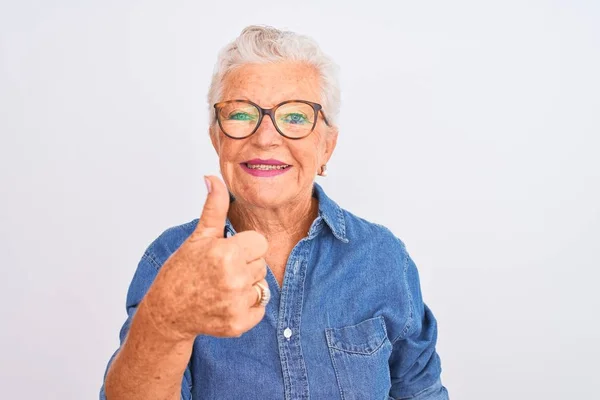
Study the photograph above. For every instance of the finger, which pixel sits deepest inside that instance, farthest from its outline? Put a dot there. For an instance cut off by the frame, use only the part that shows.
(253, 244)
(253, 294)
(252, 317)
(255, 315)
(214, 213)
(257, 270)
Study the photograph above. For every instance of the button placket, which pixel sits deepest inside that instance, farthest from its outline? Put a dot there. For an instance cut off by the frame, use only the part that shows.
(290, 350)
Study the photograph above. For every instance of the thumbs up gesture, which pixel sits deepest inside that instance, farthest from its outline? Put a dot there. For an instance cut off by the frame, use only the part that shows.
(206, 286)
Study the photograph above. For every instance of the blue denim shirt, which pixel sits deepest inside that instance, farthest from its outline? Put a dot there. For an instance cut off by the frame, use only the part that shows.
(349, 322)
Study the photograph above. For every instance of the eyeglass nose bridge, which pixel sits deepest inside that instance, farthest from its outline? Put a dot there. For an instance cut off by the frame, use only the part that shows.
(271, 113)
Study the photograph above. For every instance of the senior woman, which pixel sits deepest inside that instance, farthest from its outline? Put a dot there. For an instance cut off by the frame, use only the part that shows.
(275, 292)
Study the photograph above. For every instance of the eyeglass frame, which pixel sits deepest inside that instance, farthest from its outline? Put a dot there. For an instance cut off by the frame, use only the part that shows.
(271, 113)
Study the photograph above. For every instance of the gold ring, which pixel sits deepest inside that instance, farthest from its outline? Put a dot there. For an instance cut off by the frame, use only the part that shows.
(264, 294)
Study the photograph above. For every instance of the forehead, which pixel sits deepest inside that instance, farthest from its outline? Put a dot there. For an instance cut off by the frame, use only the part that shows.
(271, 84)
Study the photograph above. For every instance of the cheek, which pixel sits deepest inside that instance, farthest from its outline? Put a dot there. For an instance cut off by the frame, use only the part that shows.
(308, 157)
(227, 149)
(315, 151)
(228, 160)
(227, 152)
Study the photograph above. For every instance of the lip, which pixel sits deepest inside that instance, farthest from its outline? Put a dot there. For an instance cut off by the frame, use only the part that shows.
(264, 173)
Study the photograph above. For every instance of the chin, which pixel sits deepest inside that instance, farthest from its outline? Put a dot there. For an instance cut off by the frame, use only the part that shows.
(264, 197)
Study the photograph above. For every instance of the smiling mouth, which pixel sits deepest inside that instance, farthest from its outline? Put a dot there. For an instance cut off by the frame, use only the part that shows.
(267, 167)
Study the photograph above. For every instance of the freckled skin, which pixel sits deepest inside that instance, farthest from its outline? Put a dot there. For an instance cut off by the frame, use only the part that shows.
(268, 85)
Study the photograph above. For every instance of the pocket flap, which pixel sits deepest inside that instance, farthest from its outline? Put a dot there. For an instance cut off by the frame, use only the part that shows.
(363, 338)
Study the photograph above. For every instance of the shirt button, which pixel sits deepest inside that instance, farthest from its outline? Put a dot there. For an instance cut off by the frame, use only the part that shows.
(287, 333)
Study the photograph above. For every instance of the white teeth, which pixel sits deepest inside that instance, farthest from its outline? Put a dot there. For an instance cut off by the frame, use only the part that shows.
(266, 167)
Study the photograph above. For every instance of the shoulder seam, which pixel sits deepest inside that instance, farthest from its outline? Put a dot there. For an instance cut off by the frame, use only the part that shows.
(148, 254)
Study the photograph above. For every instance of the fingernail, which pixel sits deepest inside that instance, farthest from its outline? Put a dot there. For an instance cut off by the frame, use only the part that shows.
(208, 184)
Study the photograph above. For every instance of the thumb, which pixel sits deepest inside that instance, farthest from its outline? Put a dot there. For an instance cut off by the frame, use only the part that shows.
(214, 213)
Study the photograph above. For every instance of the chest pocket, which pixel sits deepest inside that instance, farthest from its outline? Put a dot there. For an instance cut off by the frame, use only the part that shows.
(360, 354)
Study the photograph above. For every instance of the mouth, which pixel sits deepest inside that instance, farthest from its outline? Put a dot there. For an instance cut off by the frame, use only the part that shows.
(265, 168)
(266, 165)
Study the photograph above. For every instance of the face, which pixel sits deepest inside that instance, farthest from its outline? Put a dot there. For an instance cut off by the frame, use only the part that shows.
(268, 85)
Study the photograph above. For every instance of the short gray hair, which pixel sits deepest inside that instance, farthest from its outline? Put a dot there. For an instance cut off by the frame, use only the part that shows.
(265, 44)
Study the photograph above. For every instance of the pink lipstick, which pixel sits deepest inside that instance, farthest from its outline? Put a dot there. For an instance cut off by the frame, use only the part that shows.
(265, 168)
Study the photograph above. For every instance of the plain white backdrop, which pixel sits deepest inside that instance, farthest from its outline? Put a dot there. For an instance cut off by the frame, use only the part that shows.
(469, 128)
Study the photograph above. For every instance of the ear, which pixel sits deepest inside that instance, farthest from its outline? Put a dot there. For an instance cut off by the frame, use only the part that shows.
(330, 142)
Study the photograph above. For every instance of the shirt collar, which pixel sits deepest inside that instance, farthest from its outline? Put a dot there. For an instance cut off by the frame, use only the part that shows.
(329, 212)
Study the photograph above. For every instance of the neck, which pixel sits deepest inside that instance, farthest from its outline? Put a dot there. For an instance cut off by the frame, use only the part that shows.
(289, 222)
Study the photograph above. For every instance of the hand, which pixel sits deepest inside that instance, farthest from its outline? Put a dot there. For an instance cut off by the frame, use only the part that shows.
(205, 287)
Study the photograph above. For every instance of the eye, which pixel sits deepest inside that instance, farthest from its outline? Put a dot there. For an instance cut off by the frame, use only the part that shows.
(294, 118)
(240, 116)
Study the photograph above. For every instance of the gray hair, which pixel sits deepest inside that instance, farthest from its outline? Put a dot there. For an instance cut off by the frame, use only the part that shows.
(265, 44)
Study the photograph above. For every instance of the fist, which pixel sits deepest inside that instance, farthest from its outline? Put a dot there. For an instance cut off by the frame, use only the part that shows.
(206, 286)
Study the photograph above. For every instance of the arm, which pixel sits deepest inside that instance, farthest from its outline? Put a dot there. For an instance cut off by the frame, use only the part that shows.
(414, 364)
(204, 287)
(148, 364)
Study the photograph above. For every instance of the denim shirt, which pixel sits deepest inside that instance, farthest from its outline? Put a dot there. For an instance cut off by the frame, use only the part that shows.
(349, 322)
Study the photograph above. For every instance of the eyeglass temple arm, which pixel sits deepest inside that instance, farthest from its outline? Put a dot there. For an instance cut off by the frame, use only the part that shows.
(325, 118)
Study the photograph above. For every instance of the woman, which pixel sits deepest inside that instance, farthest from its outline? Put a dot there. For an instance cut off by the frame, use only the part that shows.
(306, 300)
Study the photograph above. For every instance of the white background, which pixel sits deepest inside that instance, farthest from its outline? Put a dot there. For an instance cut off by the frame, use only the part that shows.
(470, 128)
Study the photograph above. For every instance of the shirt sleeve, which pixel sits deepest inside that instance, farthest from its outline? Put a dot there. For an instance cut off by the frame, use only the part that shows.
(144, 276)
(415, 366)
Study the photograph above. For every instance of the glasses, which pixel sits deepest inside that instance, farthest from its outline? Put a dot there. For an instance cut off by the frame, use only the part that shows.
(293, 119)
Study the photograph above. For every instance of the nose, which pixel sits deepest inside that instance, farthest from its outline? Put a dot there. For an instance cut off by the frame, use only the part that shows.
(266, 135)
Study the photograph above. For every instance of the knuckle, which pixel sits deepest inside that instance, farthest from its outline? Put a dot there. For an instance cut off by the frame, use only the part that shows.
(263, 266)
(263, 241)
(234, 284)
(259, 240)
(214, 251)
(221, 253)
(229, 253)
(235, 327)
(260, 269)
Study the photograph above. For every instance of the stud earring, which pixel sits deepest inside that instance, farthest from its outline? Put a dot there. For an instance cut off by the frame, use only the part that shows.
(323, 170)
